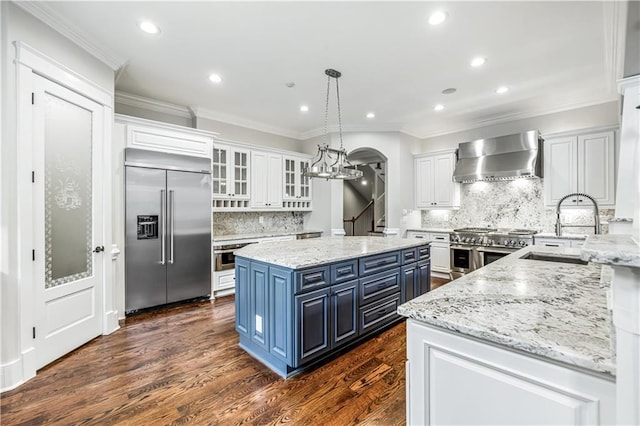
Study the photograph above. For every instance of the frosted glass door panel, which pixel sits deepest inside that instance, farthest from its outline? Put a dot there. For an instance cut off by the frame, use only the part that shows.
(68, 215)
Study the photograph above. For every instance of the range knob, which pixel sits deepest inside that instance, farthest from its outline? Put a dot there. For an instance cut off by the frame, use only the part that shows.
(512, 243)
(472, 240)
(523, 243)
(489, 242)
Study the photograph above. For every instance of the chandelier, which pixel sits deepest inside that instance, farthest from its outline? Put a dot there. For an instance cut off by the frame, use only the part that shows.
(331, 163)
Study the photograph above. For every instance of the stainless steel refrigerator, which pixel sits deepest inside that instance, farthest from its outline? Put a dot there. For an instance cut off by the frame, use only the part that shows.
(168, 228)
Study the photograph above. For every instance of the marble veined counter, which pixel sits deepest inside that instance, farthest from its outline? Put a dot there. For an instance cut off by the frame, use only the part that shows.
(551, 309)
(317, 251)
(614, 250)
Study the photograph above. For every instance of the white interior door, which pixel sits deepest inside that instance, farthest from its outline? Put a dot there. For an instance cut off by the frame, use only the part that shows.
(68, 223)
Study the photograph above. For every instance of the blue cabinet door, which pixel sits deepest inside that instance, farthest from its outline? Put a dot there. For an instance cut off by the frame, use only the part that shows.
(280, 313)
(312, 325)
(258, 305)
(242, 296)
(344, 313)
(407, 282)
(423, 275)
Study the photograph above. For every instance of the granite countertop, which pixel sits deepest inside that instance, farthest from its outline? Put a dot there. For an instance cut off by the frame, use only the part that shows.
(614, 250)
(443, 230)
(234, 237)
(561, 237)
(317, 251)
(551, 309)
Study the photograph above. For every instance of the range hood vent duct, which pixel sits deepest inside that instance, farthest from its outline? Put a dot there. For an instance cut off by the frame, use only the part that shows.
(502, 158)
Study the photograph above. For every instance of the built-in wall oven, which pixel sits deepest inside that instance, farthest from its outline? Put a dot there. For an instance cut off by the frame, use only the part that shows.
(473, 248)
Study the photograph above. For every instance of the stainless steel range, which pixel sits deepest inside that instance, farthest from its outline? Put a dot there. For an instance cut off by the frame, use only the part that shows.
(473, 248)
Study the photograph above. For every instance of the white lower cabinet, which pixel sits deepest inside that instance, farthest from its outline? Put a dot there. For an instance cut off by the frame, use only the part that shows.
(456, 380)
(440, 250)
(224, 283)
(558, 242)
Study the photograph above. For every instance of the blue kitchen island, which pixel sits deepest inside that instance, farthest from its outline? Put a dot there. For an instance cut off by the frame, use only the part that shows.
(300, 302)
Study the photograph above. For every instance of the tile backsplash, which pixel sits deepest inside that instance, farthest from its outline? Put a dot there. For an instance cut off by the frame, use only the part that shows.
(226, 223)
(510, 204)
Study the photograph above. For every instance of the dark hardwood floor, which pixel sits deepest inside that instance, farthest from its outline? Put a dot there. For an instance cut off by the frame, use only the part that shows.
(183, 365)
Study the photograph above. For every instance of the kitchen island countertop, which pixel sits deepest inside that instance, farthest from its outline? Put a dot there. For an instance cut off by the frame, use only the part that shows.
(317, 251)
(550, 309)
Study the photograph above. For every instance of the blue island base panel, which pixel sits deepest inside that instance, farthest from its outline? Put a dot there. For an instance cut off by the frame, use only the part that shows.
(285, 371)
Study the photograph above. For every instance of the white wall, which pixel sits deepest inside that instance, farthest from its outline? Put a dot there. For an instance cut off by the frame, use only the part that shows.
(353, 201)
(153, 115)
(18, 25)
(243, 134)
(593, 116)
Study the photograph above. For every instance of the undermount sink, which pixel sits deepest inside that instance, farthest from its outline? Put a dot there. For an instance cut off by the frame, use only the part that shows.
(554, 258)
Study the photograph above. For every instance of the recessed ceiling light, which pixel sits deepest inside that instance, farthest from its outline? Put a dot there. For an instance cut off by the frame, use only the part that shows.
(502, 89)
(304, 108)
(148, 27)
(478, 61)
(437, 18)
(215, 78)
(449, 91)
(371, 115)
(438, 107)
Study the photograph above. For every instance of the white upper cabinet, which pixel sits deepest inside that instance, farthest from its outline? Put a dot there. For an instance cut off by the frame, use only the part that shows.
(434, 186)
(230, 174)
(582, 163)
(163, 137)
(296, 186)
(266, 180)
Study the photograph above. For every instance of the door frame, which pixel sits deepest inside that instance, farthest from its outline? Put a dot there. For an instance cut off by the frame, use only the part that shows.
(30, 62)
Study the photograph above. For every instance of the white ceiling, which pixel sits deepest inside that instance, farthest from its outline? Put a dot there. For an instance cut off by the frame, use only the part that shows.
(553, 55)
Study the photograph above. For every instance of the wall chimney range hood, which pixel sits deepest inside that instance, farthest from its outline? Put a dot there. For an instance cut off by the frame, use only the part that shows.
(502, 158)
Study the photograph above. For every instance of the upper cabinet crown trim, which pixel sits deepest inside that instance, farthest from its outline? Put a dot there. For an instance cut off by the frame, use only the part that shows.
(442, 151)
(125, 98)
(587, 131)
(127, 119)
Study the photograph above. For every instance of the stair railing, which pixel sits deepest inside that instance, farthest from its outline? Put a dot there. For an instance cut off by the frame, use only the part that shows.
(362, 223)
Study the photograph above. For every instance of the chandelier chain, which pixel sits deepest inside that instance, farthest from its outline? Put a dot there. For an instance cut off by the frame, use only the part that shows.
(326, 111)
(339, 115)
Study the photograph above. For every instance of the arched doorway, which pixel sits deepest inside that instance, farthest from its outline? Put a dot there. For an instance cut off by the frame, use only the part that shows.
(364, 206)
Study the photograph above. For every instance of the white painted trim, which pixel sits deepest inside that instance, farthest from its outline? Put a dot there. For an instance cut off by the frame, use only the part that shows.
(338, 232)
(243, 122)
(589, 130)
(371, 128)
(615, 25)
(250, 146)
(51, 69)
(429, 154)
(11, 375)
(513, 117)
(626, 83)
(115, 252)
(391, 232)
(136, 101)
(87, 42)
(128, 119)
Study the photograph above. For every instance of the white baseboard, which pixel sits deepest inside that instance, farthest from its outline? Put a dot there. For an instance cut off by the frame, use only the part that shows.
(11, 375)
(110, 322)
(18, 371)
(222, 293)
(338, 232)
(440, 274)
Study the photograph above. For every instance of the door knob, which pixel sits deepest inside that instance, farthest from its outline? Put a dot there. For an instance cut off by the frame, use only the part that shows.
(98, 249)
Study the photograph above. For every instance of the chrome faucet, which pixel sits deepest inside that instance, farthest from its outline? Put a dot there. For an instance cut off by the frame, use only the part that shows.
(596, 214)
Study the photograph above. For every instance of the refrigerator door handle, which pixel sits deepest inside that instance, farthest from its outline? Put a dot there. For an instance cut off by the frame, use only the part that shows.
(171, 211)
(163, 226)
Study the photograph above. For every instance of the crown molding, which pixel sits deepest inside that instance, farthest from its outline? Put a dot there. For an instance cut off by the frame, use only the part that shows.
(371, 128)
(243, 122)
(152, 104)
(53, 19)
(512, 117)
